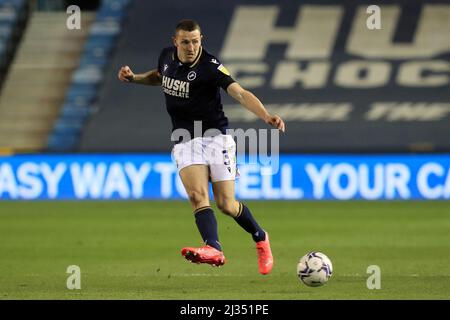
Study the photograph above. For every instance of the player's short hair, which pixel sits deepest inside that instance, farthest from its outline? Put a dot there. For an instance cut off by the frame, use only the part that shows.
(188, 25)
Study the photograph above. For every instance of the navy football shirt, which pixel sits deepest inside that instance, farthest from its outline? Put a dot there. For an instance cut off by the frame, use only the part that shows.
(192, 90)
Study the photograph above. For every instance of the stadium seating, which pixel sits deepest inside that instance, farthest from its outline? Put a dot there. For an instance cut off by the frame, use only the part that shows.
(13, 14)
(83, 91)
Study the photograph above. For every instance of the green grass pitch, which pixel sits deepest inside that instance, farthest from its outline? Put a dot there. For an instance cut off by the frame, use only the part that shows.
(131, 250)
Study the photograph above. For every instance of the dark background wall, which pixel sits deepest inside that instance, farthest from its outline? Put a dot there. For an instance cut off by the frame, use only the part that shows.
(133, 117)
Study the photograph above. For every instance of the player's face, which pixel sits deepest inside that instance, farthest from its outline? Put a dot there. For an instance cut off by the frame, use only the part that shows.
(188, 45)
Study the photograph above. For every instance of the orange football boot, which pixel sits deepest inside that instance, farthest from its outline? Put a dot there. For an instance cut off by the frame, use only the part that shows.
(205, 254)
(265, 258)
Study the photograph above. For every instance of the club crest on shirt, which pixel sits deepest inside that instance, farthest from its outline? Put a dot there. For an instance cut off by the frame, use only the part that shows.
(165, 67)
(191, 75)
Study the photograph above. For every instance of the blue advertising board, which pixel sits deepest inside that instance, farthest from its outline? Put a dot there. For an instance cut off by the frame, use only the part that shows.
(154, 176)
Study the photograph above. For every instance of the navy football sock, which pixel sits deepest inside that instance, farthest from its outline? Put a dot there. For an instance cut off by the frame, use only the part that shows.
(207, 225)
(248, 223)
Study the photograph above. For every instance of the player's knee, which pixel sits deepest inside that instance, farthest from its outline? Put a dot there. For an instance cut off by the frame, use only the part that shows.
(228, 207)
(198, 198)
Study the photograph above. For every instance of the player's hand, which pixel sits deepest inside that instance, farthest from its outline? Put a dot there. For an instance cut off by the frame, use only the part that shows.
(276, 122)
(125, 74)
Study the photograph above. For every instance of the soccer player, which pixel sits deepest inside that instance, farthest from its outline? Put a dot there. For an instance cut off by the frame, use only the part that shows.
(191, 79)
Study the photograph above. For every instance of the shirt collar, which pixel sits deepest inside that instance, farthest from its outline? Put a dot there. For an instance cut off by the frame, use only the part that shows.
(197, 59)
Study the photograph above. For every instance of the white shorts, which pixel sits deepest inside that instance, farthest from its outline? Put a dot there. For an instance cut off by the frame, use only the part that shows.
(218, 152)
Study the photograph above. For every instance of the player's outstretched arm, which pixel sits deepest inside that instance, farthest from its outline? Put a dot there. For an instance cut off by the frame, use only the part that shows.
(150, 78)
(252, 103)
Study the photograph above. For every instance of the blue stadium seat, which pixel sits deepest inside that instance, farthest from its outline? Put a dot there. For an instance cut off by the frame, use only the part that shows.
(70, 112)
(108, 28)
(57, 142)
(66, 126)
(81, 94)
(115, 4)
(87, 75)
(96, 58)
(103, 43)
(15, 4)
(121, 3)
(110, 14)
(8, 16)
(65, 134)
(6, 32)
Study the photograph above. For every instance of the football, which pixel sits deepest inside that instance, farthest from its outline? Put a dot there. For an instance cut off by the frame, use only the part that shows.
(314, 269)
